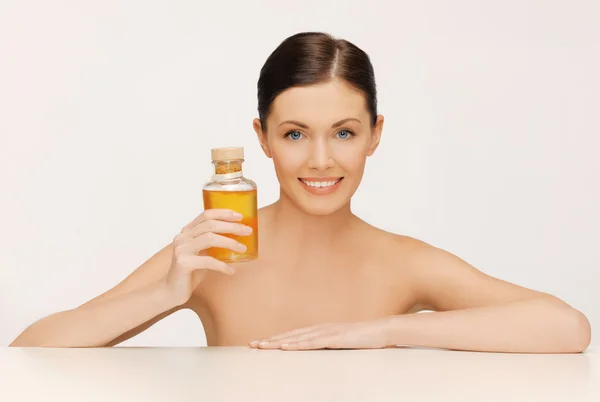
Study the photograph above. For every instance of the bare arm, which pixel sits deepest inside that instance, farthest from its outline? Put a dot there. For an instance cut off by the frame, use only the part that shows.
(474, 311)
(159, 287)
(539, 325)
(471, 311)
(132, 306)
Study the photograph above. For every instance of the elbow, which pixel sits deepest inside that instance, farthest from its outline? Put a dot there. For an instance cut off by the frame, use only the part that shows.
(21, 343)
(25, 340)
(582, 332)
(578, 332)
(573, 326)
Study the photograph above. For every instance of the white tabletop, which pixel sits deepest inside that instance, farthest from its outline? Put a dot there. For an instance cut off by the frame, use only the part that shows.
(244, 374)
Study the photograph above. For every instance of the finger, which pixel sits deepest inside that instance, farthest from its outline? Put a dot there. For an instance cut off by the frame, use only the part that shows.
(322, 342)
(208, 240)
(283, 335)
(216, 226)
(318, 333)
(214, 213)
(298, 331)
(276, 340)
(265, 341)
(194, 263)
(292, 339)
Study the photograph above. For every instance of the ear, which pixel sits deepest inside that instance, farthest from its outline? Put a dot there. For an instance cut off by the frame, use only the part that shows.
(262, 137)
(376, 135)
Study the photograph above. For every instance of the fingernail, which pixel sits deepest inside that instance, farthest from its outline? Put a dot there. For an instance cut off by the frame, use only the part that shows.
(253, 343)
(238, 215)
(241, 247)
(247, 230)
(263, 343)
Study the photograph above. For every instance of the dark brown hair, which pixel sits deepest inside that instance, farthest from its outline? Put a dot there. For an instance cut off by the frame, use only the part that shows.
(310, 58)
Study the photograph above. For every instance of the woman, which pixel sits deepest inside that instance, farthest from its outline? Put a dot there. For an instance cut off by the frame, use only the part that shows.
(324, 277)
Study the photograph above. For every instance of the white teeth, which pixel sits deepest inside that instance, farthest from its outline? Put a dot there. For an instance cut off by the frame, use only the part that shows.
(320, 183)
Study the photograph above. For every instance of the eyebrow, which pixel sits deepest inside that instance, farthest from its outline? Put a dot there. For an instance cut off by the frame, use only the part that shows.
(336, 124)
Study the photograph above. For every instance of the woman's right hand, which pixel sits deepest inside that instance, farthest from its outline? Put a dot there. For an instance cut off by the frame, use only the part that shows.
(190, 260)
(157, 288)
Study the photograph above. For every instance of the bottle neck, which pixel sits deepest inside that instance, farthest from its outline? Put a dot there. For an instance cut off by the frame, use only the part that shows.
(225, 170)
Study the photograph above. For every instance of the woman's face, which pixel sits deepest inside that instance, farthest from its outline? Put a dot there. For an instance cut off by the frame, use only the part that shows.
(319, 137)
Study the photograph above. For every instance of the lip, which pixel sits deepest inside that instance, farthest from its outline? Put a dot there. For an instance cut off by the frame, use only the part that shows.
(321, 190)
(328, 178)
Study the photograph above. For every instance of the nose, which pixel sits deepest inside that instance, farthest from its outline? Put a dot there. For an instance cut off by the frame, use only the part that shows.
(320, 156)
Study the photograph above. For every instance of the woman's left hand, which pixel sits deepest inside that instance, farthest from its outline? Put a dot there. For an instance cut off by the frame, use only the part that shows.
(358, 335)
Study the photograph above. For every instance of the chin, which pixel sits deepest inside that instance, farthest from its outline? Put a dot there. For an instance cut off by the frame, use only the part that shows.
(319, 208)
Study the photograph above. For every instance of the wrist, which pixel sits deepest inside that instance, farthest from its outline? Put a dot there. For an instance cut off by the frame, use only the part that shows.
(163, 297)
(392, 329)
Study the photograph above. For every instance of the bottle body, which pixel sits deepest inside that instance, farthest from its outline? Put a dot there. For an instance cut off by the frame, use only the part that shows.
(228, 189)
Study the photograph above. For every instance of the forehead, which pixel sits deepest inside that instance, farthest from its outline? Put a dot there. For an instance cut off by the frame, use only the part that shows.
(319, 104)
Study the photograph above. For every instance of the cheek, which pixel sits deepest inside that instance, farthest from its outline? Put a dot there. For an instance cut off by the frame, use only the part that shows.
(288, 160)
(351, 155)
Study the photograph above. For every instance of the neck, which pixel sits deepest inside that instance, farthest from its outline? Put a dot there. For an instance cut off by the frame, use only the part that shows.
(290, 223)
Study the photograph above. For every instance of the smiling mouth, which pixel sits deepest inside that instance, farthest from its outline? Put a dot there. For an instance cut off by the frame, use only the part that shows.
(329, 182)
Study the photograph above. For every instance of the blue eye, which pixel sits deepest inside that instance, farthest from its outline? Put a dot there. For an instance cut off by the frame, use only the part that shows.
(294, 135)
(344, 134)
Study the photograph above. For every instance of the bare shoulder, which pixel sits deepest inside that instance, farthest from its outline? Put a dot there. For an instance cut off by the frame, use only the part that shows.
(394, 248)
(440, 279)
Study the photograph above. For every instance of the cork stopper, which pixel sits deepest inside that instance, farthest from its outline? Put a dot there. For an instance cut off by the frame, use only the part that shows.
(223, 159)
(227, 153)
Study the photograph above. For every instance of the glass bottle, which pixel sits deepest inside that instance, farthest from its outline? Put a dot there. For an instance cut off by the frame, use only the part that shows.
(229, 189)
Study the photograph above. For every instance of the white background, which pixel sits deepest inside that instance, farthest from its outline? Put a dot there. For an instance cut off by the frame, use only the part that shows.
(108, 111)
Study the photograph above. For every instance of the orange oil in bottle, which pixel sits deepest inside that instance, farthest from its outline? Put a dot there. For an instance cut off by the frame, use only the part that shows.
(245, 203)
